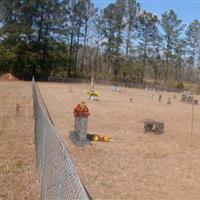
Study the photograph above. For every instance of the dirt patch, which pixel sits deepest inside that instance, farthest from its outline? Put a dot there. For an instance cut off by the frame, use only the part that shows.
(8, 77)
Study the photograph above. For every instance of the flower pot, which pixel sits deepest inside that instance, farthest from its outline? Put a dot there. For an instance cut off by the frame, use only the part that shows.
(80, 127)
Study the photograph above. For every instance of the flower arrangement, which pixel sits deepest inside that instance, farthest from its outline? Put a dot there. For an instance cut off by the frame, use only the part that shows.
(81, 110)
(99, 138)
(92, 93)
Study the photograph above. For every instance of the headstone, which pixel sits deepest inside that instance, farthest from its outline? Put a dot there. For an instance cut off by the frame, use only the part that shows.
(153, 126)
(196, 102)
(183, 97)
(18, 109)
(190, 99)
(80, 127)
(160, 98)
(169, 101)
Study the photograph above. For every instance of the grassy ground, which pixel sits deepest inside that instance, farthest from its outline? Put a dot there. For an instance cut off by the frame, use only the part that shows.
(18, 177)
(135, 165)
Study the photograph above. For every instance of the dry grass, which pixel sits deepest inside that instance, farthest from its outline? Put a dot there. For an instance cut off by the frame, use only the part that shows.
(18, 178)
(135, 165)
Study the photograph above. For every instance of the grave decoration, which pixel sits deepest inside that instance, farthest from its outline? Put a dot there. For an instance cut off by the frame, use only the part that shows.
(92, 94)
(99, 138)
(81, 113)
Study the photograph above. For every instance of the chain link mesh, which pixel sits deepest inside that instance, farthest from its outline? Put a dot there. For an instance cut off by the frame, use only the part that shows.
(127, 84)
(59, 179)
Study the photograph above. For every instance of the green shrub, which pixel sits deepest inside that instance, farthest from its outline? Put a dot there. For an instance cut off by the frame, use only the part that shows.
(59, 72)
(179, 86)
(198, 89)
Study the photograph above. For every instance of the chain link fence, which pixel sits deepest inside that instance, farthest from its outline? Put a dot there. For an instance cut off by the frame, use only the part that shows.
(149, 86)
(59, 179)
(68, 80)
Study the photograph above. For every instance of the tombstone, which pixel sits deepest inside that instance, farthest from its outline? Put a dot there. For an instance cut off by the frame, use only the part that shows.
(196, 102)
(153, 126)
(183, 97)
(80, 127)
(169, 101)
(160, 98)
(18, 109)
(190, 99)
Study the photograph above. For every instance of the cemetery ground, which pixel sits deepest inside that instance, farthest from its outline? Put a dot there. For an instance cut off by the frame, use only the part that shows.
(135, 165)
(18, 175)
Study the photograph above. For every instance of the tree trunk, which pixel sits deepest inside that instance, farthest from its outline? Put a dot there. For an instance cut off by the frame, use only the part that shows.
(40, 28)
(144, 63)
(128, 40)
(43, 62)
(96, 56)
(70, 54)
(77, 47)
(84, 45)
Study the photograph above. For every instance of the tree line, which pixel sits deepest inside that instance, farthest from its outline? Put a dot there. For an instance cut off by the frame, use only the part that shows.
(73, 38)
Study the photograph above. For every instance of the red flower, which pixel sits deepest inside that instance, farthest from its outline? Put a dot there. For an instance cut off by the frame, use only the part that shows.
(81, 110)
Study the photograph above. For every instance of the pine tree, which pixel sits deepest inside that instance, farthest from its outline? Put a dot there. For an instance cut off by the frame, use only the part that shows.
(147, 32)
(172, 27)
(193, 39)
(132, 10)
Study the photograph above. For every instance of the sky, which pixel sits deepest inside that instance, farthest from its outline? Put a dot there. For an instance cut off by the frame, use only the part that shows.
(187, 10)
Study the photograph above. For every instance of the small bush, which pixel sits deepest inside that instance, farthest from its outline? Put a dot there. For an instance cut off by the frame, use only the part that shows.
(198, 90)
(59, 72)
(179, 86)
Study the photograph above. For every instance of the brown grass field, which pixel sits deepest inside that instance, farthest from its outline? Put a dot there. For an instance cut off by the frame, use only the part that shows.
(136, 165)
(18, 176)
